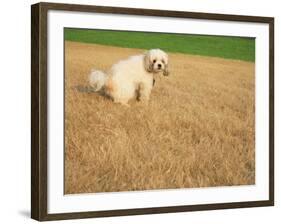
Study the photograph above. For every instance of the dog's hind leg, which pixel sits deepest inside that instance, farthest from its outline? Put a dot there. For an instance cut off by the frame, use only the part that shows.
(144, 93)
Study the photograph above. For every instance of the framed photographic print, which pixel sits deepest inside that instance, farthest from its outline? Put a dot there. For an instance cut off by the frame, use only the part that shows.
(139, 111)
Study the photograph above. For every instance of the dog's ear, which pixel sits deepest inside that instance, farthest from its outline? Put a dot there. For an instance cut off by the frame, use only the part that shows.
(166, 70)
(147, 62)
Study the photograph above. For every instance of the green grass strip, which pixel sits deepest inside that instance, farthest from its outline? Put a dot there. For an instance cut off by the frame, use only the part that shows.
(217, 46)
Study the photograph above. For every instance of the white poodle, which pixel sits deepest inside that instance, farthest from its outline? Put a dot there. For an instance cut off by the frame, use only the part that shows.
(132, 77)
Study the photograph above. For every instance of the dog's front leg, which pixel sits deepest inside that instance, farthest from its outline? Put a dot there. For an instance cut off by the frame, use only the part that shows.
(144, 92)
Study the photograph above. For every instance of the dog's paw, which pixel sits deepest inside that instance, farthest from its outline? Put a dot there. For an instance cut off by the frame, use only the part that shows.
(124, 103)
(144, 100)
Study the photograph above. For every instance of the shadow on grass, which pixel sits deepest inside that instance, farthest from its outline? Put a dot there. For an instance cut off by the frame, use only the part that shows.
(89, 89)
(84, 89)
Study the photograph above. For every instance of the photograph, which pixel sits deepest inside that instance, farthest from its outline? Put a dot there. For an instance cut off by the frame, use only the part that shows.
(150, 111)
(142, 111)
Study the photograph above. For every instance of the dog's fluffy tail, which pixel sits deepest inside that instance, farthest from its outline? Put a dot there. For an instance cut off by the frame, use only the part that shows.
(97, 80)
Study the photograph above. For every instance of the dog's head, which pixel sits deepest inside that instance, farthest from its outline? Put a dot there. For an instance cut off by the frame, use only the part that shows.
(156, 61)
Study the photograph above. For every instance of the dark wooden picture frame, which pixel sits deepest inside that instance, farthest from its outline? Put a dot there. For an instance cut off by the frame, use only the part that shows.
(39, 105)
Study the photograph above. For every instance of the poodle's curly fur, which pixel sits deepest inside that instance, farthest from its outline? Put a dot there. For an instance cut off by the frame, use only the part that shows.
(131, 77)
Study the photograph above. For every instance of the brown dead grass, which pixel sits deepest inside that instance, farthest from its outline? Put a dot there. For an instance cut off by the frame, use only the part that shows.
(197, 131)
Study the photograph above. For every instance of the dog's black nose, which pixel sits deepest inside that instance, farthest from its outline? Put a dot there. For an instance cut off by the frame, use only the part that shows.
(159, 65)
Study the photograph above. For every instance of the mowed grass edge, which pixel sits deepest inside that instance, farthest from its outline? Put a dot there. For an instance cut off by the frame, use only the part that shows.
(240, 48)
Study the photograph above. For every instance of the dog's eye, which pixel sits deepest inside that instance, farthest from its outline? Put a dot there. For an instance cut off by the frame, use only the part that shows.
(154, 61)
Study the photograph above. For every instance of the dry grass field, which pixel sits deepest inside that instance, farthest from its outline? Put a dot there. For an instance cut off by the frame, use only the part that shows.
(197, 131)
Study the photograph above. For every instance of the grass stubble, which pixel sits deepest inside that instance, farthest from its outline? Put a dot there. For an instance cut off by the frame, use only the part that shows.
(197, 131)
